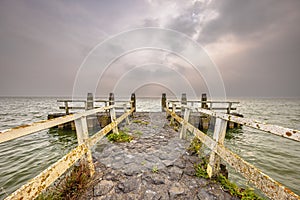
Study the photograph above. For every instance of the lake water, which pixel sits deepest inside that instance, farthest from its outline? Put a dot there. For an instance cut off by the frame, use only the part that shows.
(23, 158)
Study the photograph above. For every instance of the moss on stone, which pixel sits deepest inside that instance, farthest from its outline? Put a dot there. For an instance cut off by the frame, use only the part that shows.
(231, 188)
(200, 169)
(234, 190)
(138, 121)
(119, 137)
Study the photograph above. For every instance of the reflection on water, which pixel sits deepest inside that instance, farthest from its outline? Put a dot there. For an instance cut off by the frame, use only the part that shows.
(23, 158)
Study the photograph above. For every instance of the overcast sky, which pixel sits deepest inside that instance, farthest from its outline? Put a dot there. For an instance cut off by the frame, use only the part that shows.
(255, 44)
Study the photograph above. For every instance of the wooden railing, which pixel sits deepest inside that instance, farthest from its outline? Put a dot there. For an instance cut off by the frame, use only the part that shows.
(267, 185)
(67, 107)
(90, 102)
(83, 151)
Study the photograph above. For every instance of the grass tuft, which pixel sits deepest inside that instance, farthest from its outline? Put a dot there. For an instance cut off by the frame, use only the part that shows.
(234, 190)
(70, 187)
(195, 147)
(120, 137)
(200, 169)
(154, 169)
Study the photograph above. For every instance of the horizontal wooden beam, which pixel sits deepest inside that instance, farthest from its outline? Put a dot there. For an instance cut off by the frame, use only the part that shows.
(70, 100)
(23, 130)
(72, 107)
(200, 101)
(274, 129)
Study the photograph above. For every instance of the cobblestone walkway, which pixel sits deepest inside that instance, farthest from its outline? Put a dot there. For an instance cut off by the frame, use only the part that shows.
(155, 165)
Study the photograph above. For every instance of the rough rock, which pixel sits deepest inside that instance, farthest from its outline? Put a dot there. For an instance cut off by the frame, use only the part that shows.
(155, 165)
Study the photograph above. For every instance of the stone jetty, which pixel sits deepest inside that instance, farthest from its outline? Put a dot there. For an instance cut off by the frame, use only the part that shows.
(155, 165)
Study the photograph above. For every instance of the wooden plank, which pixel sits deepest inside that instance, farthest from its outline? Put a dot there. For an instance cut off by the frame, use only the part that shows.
(23, 130)
(70, 100)
(200, 101)
(219, 108)
(274, 129)
(72, 107)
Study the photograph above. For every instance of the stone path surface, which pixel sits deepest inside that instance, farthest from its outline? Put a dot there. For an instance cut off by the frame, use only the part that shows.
(155, 165)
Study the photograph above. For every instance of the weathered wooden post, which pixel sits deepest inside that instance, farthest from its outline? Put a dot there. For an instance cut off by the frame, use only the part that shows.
(229, 107)
(185, 121)
(183, 102)
(113, 118)
(111, 99)
(133, 101)
(89, 101)
(203, 101)
(163, 101)
(112, 111)
(67, 107)
(204, 119)
(230, 124)
(89, 106)
(204, 122)
(125, 111)
(173, 112)
(213, 167)
(82, 136)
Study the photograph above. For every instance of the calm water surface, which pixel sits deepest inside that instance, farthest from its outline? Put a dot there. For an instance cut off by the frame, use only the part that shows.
(24, 158)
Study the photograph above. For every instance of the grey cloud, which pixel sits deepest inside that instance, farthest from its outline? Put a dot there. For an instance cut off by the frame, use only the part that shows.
(188, 21)
(43, 43)
(248, 19)
(151, 22)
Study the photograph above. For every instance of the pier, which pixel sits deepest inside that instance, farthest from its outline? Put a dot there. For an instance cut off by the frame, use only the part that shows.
(156, 164)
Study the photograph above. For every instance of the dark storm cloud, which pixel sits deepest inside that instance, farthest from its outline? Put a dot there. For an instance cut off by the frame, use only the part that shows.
(250, 19)
(270, 67)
